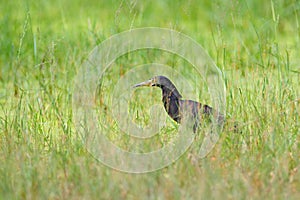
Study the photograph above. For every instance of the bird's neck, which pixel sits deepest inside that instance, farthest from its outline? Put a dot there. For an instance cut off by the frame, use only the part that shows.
(171, 103)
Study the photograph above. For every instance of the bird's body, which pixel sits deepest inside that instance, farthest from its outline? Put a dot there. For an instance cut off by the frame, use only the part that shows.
(174, 105)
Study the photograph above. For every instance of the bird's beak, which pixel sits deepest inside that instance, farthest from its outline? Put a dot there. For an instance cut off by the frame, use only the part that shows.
(145, 83)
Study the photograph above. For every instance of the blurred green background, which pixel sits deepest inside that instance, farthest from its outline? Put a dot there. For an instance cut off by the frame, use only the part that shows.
(255, 44)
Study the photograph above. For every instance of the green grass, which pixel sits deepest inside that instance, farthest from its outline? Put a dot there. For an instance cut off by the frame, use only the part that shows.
(255, 44)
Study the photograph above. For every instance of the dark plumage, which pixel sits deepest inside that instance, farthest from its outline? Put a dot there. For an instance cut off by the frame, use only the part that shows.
(175, 105)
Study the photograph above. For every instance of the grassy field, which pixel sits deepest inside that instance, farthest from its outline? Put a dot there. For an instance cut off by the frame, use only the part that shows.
(255, 43)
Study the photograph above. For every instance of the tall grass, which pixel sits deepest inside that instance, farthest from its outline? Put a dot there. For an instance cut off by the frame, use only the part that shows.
(255, 44)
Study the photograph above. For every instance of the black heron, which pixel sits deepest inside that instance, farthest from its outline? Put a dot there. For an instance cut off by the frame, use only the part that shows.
(175, 105)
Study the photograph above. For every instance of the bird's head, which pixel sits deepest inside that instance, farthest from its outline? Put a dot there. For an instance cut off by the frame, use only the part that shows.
(160, 81)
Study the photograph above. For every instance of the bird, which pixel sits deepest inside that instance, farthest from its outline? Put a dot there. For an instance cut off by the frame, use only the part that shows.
(176, 106)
